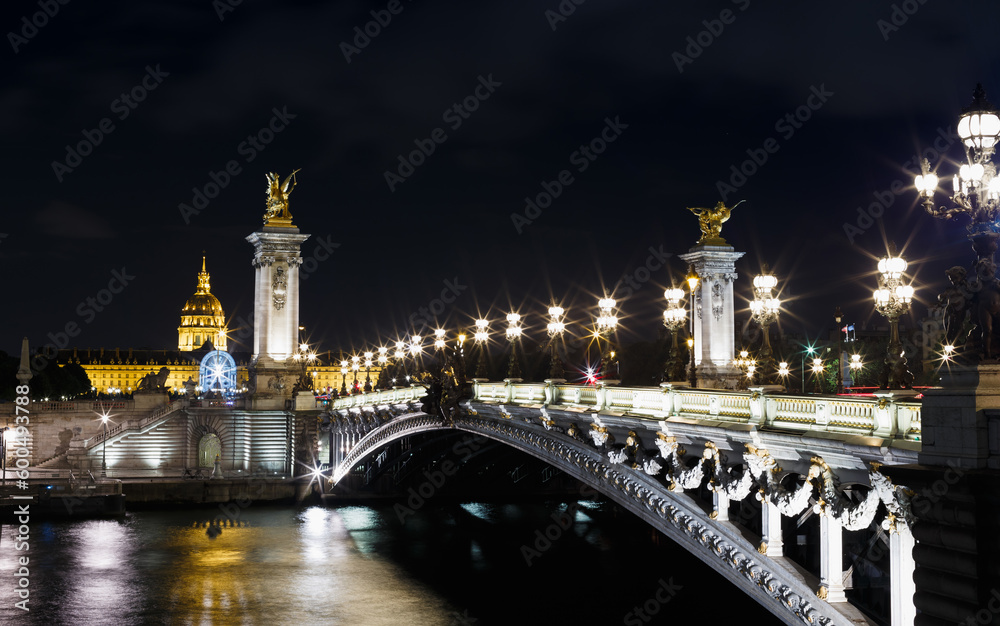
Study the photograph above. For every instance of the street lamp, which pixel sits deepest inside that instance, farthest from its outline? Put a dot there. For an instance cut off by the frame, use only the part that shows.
(817, 370)
(692, 281)
(855, 366)
(513, 335)
(838, 316)
(383, 363)
(399, 355)
(439, 341)
(673, 318)
(555, 328)
(368, 371)
(764, 309)
(481, 336)
(355, 366)
(892, 299)
(976, 193)
(746, 365)
(976, 187)
(104, 446)
(343, 378)
(607, 323)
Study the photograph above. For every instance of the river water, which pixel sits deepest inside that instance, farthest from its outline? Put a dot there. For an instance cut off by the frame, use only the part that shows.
(445, 564)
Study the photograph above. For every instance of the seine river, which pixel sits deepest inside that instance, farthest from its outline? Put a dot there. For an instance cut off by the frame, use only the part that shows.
(448, 564)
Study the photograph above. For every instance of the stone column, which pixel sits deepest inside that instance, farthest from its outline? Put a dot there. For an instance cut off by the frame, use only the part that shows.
(831, 558)
(771, 543)
(714, 322)
(902, 587)
(720, 507)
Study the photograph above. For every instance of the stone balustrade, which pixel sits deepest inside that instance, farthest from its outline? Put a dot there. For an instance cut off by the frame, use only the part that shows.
(886, 414)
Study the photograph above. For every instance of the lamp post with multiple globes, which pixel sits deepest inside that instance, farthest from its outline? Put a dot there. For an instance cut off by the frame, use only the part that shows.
(892, 299)
(368, 371)
(674, 317)
(976, 194)
(481, 336)
(764, 309)
(555, 328)
(514, 331)
(607, 323)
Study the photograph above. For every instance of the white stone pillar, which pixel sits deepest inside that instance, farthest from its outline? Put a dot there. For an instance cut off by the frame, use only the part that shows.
(714, 321)
(720, 507)
(276, 321)
(771, 530)
(831, 558)
(901, 567)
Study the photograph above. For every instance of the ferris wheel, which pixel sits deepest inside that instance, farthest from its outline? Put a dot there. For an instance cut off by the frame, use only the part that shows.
(217, 372)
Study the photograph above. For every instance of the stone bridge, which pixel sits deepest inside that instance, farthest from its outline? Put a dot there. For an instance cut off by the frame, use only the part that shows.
(688, 461)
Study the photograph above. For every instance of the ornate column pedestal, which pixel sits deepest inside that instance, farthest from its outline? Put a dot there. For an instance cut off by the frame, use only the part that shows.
(714, 323)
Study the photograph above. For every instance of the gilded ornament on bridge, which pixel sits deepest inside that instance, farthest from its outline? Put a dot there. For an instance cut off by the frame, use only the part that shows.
(277, 213)
(711, 220)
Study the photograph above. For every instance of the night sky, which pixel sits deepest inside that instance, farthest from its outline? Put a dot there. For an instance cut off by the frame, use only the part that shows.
(681, 114)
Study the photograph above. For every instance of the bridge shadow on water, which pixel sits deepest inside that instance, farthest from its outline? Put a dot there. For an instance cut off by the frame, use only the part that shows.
(508, 540)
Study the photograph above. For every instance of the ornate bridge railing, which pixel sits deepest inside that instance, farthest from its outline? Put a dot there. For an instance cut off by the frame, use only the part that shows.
(885, 415)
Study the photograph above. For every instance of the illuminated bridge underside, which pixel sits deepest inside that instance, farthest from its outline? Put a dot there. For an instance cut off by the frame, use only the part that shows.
(574, 442)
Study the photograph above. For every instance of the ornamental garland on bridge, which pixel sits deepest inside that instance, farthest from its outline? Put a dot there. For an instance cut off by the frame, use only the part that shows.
(763, 470)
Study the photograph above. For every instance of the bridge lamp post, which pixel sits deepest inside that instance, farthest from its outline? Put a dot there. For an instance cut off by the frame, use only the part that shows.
(416, 349)
(104, 446)
(976, 186)
(855, 366)
(368, 371)
(745, 363)
(383, 362)
(400, 355)
(673, 318)
(692, 281)
(343, 378)
(514, 331)
(892, 299)
(817, 369)
(481, 336)
(556, 328)
(783, 371)
(764, 309)
(439, 340)
(355, 366)
(607, 323)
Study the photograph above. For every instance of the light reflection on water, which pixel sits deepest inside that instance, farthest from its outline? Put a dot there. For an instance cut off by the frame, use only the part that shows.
(357, 565)
(285, 566)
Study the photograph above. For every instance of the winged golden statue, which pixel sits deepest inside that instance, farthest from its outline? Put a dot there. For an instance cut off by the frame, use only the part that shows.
(711, 221)
(277, 196)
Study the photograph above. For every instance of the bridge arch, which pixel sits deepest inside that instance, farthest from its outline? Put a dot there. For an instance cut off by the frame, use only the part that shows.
(785, 592)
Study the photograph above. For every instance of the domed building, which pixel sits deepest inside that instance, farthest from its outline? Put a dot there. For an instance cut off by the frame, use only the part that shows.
(202, 318)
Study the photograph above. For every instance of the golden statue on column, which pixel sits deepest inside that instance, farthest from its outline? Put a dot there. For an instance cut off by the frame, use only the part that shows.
(711, 221)
(277, 213)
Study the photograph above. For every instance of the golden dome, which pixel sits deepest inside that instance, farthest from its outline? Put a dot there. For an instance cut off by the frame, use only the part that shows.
(202, 318)
(202, 304)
